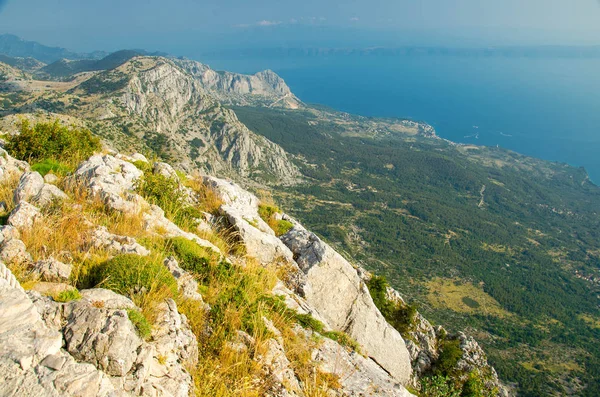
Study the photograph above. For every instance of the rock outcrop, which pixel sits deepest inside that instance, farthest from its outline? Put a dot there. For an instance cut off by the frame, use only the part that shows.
(329, 284)
(334, 288)
(263, 88)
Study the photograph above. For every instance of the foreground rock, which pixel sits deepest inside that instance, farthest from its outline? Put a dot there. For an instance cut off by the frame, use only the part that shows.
(31, 360)
(241, 209)
(111, 180)
(24, 216)
(10, 167)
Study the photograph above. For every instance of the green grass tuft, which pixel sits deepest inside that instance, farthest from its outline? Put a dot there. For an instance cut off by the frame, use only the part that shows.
(140, 322)
(68, 295)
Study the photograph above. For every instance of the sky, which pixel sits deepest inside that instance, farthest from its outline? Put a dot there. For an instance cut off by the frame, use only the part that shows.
(181, 26)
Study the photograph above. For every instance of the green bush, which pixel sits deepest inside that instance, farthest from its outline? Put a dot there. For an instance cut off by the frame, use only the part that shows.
(140, 322)
(168, 195)
(134, 274)
(52, 141)
(308, 321)
(266, 211)
(438, 386)
(68, 295)
(283, 227)
(191, 256)
(450, 353)
(475, 387)
(399, 316)
(48, 165)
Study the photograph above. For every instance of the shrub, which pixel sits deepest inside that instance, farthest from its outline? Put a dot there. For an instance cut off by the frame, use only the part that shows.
(399, 316)
(167, 193)
(133, 274)
(267, 212)
(68, 295)
(438, 386)
(308, 321)
(450, 353)
(283, 227)
(191, 256)
(52, 141)
(140, 323)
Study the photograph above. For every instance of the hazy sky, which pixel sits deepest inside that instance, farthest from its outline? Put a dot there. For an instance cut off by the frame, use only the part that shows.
(178, 24)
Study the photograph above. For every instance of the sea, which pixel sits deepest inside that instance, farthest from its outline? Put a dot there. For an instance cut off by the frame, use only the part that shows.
(545, 107)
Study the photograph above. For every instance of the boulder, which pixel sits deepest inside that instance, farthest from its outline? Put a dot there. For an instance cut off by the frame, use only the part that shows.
(102, 337)
(358, 376)
(156, 222)
(10, 167)
(31, 360)
(105, 298)
(111, 180)
(186, 283)
(50, 178)
(8, 232)
(48, 194)
(30, 184)
(335, 290)
(283, 381)
(24, 216)
(52, 270)
(241, 209)
(172, 336)
(49, 288)
(14, 251)
(101, 238)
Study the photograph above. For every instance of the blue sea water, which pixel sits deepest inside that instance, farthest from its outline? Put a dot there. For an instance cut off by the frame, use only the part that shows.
(543, 107)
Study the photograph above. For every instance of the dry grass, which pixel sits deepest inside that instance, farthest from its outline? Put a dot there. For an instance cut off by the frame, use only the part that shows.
(209, 201)
(7, 189)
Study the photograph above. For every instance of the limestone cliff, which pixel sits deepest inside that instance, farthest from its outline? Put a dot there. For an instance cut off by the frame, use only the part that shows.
(263, 88)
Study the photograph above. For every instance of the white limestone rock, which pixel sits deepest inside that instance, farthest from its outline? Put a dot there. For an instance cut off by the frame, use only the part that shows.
(106, 339)
(30, 184)
(101, 238)
(52, 270)
(112, 180)
(359, 376)
(165, 170)
(10, 167)
(241, 210)
(14, 251)
(186, 283)
(24, 216)
(47, 195)
(31, 360)
(50, 179)
(156, 222)
(105, 298)
(334, 289)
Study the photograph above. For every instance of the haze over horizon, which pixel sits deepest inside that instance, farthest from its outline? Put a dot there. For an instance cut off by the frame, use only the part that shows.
(186, 27)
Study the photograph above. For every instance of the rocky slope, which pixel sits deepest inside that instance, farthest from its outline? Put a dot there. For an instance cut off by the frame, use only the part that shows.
(151, 103)
(263, 88)
(89, 345)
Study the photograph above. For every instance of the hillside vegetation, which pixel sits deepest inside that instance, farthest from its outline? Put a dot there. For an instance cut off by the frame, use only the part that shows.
(515, 264)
